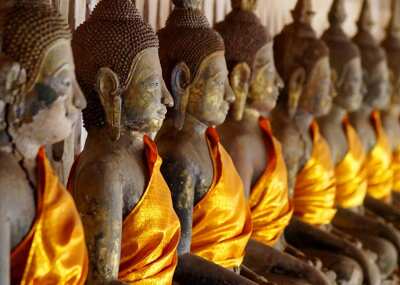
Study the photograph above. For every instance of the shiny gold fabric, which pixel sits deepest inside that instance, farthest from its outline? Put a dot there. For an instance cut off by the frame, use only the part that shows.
(151, 232)
(221, 220)
(54, 252)
(351, 173)
(379, 160)
(396, 169)
(315, 189)
(271, 209)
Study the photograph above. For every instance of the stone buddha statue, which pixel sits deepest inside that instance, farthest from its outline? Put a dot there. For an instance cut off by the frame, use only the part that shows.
(41, 235)
(131, 229)
(346, 147)
(257, 154)
(367, 120)
(391, 114)
(206, 189)
(303, 62)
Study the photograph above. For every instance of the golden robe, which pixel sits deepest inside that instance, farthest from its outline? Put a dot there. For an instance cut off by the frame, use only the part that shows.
(221, 220)
(315, 189)
(271, 209)
(379, 160)
(54, 251)
(351, 173)
(151, 231)
(396, 169)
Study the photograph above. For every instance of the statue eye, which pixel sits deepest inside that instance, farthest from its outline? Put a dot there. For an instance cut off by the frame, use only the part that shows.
(153, 85)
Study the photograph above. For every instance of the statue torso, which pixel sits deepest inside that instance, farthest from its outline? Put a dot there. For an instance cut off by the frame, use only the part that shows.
(337, 139)
(391, 125)
(190, 154)
(18, 197)
(127, 167)
(249, 140)
(365, 130)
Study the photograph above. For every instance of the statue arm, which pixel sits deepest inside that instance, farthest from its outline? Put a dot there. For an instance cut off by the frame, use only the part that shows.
(180, 178)
(301, 231)
(99, 199)
(243, 163)
(5, 245)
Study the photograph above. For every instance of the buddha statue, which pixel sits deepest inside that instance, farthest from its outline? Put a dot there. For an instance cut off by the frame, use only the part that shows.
(131, 229)
(257, 154)
(206, 189)
(41, 234)
(303, 62)
(347, 150)
(367, 121)
(391, 114)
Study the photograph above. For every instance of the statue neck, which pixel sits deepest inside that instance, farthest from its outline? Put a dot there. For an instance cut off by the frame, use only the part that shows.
(336, 114)
(303, 120)
(393, 111)
(364, 112)
(251, 115)
(192, 124)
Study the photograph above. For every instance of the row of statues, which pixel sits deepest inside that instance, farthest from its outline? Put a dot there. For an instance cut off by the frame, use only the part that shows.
(215, 155)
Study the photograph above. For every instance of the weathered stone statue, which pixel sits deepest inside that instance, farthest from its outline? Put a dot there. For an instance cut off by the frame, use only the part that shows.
(131, 229)
(257, 154)
(303, 62)
(206, 189)
(347, 150)
(367, 121)
(391, 115)
(41, 235)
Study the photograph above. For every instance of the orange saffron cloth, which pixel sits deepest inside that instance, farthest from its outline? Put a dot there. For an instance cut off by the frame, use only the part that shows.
(221, 220)
(379, 163)
(151, 231)
(271, 208)
(351, 173)
(54, 252)
(315, 189)
(396, 169)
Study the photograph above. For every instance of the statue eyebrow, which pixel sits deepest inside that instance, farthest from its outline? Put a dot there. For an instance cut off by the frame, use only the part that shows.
(58, 70)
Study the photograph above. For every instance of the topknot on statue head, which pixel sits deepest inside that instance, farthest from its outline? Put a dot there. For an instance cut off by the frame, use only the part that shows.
(31, 29)
(244, 35)
(112, 37)
(341, 48)
(187, 37)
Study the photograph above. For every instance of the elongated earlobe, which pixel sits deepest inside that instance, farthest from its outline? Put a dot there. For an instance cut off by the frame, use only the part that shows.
(180, 80)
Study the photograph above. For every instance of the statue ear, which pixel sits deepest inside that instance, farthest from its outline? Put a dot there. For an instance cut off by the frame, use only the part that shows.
(180, 81)
(240, 82)
(107, 85)
(295, 88)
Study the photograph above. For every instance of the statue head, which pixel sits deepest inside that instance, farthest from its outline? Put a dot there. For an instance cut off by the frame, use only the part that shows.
(38, 38)
(391, 44)
(118, 67)
(374, 64)
(345, 60)
(250, 59)
(194, 67)
(303, 62)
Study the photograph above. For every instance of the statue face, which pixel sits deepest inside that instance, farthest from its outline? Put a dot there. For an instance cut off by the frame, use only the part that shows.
(52, 106)
(210, 92)
(378, 88)
(265, 83)
(317, 95)
(146, 97)
(349, 86)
